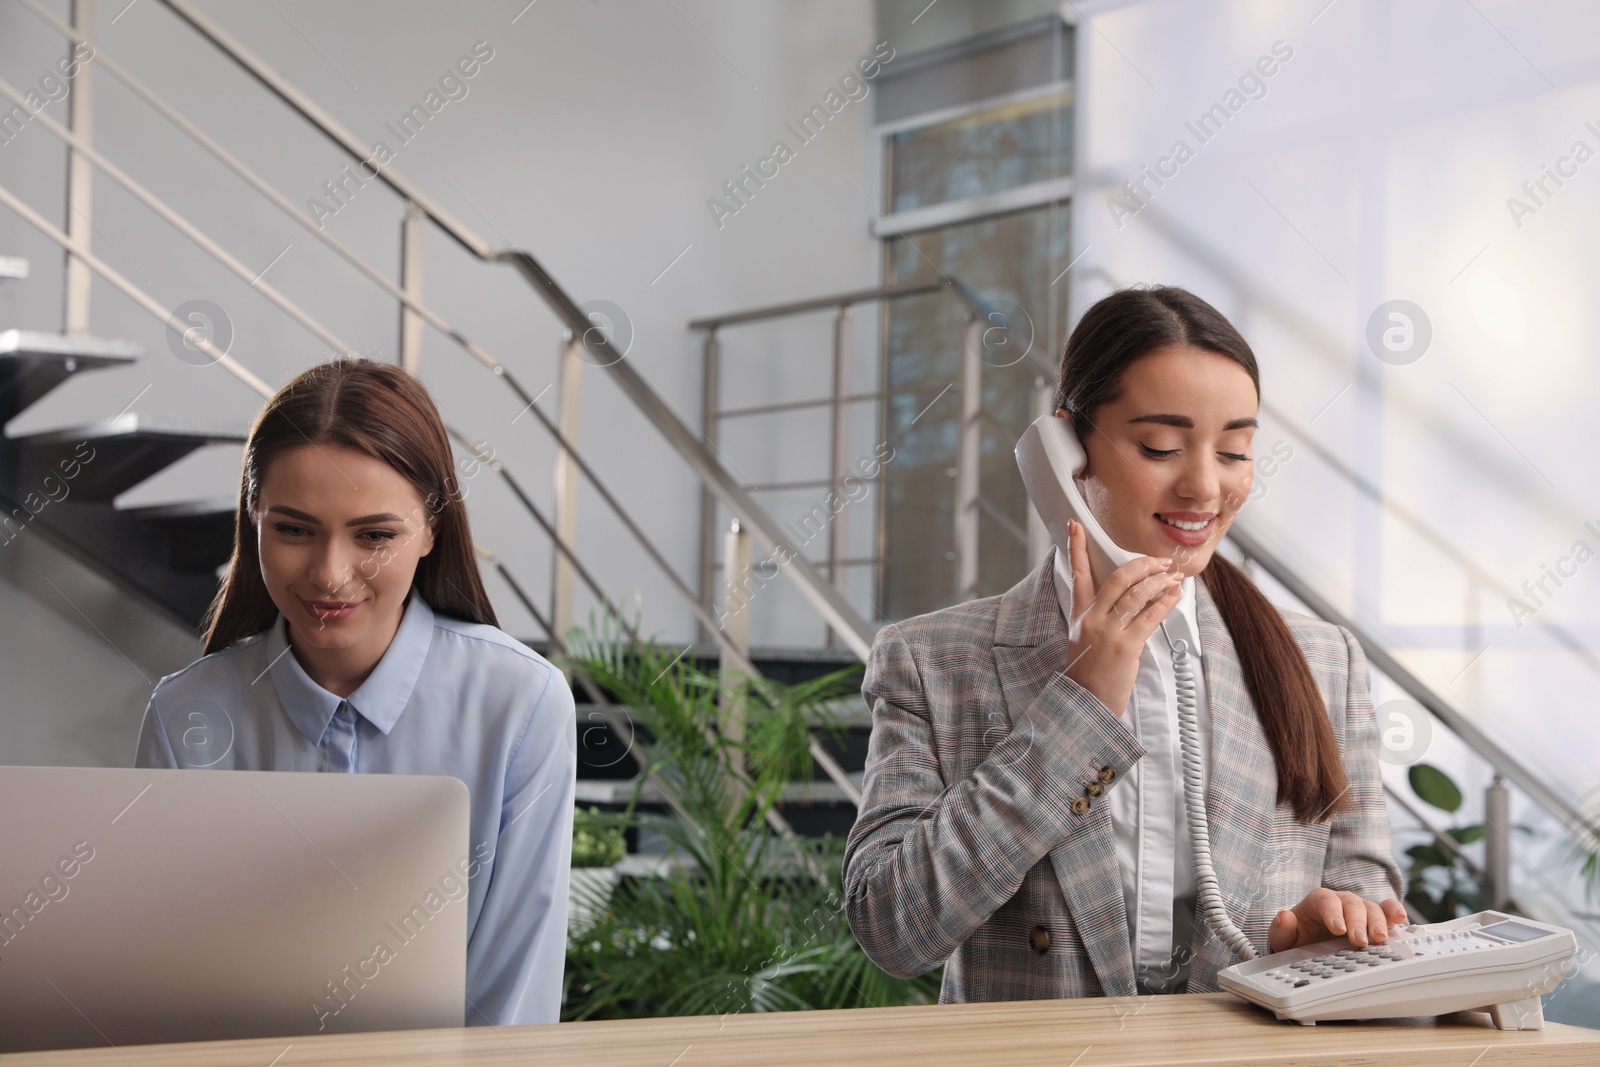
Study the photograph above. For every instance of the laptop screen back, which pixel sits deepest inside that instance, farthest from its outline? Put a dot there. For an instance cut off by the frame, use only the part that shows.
(141, 906)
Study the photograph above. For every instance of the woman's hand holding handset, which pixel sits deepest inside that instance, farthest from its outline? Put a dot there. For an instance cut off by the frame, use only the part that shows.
(1110, 625)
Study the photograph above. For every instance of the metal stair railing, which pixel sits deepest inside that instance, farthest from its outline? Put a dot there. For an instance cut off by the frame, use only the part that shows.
(650, 403)
(835, 611)
(1475, 738)
(980, 320)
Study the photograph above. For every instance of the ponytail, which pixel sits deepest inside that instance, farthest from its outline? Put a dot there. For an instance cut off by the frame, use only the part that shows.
(1293, 717)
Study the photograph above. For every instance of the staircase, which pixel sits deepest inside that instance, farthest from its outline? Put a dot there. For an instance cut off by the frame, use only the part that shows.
(63, 484)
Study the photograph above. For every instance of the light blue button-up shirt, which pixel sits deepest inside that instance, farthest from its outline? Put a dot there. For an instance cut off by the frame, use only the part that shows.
(448, 697)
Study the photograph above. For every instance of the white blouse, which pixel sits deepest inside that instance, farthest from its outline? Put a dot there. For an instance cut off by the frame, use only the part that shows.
(1148, 817)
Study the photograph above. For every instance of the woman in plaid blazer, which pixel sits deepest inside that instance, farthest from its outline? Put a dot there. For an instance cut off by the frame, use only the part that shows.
(984, 840)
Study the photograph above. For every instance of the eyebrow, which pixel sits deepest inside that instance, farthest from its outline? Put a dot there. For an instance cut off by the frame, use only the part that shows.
(364, 520)
(1184, 422)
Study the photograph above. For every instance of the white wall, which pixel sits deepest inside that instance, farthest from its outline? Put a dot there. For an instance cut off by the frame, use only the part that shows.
(593, 138)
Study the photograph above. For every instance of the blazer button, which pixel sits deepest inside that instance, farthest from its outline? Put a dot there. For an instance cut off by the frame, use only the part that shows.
(1094, 789)
(1108, 774)
(1039, 940)
(1080, 805)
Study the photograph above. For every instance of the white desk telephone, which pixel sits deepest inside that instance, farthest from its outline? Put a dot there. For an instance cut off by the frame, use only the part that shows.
(1487, 961)
(1483, 961)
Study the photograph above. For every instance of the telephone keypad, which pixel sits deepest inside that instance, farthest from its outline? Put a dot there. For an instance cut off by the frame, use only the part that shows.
(1301, 973)
(1304, 972)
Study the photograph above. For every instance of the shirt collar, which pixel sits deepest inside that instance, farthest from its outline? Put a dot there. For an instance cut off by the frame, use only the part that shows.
(380, 699)
(1187, 613)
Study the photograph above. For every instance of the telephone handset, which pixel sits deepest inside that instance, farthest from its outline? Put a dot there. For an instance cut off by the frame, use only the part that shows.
(1049, 455)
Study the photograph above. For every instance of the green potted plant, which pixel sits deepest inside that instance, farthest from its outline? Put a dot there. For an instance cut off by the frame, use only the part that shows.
(741, 917)
(1439, 884)
(598, 845)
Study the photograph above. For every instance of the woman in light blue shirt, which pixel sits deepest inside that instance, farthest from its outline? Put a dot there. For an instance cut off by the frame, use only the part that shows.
(353, 634)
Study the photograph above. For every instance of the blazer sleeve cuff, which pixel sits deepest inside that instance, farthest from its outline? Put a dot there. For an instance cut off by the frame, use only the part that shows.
(1074, 750)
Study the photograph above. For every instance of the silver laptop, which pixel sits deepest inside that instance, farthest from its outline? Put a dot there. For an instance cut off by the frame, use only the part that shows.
(141, 906)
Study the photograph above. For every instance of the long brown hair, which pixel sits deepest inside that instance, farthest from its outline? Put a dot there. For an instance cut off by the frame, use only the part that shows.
(380, 410)
(1112, 334)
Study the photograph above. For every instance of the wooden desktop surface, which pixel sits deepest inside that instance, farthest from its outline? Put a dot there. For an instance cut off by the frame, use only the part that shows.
(1208, 1028)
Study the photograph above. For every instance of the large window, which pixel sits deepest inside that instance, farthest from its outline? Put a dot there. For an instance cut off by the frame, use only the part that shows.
(977, 192)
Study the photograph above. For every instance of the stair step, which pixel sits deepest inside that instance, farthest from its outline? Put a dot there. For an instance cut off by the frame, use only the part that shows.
(847, 713)
(791, 665)
(13, 267)
(199, 532)
(620, 791)
(111, 456)
(32, 364)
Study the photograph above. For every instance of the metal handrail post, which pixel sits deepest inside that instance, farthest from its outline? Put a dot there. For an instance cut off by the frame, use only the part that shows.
(1497, 844)
(1039, 539)
(838, 446)
(80, 182)
(967, 457)
(710, 427)
(568, 408)
(732, 683)
(411, 230)
(736, 624)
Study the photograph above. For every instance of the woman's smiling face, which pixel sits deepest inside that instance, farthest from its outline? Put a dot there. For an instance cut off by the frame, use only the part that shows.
(1169, 459)
(340, 534)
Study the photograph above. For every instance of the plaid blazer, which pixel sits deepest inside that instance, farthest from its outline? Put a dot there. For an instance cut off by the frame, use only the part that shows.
(974, 847)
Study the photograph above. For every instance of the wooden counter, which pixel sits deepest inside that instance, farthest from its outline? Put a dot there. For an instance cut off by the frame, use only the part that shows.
(1211, 1028)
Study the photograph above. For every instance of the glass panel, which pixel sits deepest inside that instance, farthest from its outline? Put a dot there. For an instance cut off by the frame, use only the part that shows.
(1009, 260)
(985, 152)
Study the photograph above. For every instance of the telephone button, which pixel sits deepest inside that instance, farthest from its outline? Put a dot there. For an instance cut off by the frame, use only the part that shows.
(1302, 982)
